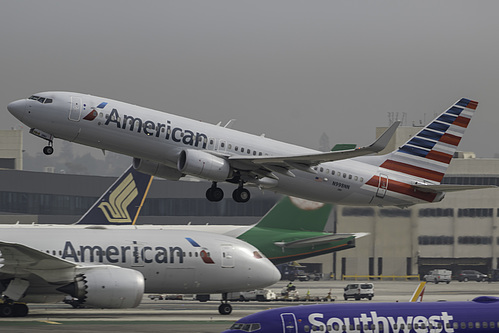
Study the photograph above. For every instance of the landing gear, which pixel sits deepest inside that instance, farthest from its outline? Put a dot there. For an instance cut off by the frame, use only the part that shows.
(48, 150)
(13, 310)
(225, 308)
(214, 193)
(241, 194)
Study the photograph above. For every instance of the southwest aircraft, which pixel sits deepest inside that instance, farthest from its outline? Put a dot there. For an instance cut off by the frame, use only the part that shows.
(478, 315)
(293, 229)
(170, 146)
(113, 266)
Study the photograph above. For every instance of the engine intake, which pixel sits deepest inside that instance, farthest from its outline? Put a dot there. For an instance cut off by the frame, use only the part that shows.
(205, 165)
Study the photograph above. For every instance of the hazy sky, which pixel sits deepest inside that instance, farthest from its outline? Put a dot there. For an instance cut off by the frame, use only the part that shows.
(290, 69)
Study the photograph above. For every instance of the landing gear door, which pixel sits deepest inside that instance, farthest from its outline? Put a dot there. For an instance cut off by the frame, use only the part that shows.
(227, 256)
(75, 111)
(289, 323)
(382, 185)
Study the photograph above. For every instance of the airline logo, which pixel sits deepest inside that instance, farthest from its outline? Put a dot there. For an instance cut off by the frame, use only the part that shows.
(205, 256)
(419, 324)
(116, 210)
(428, 154)
(93, 114)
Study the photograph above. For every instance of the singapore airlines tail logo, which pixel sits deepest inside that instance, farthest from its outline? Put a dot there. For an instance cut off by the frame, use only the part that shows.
(116, 210)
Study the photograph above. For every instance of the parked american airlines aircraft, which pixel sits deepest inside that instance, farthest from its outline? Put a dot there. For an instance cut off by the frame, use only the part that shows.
(112, 266)
(171, 146)
(478, 315)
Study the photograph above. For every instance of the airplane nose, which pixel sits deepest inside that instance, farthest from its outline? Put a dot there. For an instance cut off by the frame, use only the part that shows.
(17, 108)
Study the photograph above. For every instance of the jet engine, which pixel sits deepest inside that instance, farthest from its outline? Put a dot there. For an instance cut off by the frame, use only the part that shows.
(156, 169)
(205, 165)
(106, 287)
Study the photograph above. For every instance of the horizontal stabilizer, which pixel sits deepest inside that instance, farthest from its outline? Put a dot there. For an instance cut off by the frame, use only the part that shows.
(450, 187)
(318, 240)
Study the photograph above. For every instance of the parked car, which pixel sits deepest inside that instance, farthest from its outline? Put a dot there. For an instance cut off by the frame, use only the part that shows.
(438, 275)
(469, 274)
(358, 291)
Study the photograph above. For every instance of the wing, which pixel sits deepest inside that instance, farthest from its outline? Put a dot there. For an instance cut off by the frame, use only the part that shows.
(21, 261)
(265, 165)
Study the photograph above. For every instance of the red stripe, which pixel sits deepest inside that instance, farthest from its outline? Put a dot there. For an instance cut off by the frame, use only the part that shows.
(403, 188)
(472, 105)
(450, 139)
(413, 170)
(461, 121)
(439, 156)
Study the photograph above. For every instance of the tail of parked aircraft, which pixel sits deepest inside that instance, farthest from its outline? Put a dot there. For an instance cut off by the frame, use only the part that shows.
(122, 202)
(428, 154)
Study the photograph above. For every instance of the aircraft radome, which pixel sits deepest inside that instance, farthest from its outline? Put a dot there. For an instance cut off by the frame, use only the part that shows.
(170, 146)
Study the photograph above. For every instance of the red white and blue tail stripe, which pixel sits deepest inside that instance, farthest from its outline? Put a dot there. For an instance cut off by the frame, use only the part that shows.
(428, 154)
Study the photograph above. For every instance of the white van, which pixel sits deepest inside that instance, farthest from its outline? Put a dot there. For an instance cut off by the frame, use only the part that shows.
(438, 275)
(358, 291)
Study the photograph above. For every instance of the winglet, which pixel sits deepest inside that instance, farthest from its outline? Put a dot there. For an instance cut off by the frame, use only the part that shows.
(418, 293)
(384, 138)
(122, 202)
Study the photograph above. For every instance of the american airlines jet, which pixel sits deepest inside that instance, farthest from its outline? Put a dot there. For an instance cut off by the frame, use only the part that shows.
(170, 146)
(112, 266)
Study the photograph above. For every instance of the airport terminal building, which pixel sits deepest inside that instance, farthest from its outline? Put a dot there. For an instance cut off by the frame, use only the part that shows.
(460, 232)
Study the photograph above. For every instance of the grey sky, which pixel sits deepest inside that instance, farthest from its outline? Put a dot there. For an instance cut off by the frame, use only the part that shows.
(289, 69)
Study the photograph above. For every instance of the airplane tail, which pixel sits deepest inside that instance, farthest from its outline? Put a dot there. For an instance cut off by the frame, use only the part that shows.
(122, 202)
(297, 214)
(430, 151)
(417, 296)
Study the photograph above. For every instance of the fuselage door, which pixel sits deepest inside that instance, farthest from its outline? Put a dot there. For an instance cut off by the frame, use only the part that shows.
(227, 256)
(382, 185)
(75, 111)
(289, 323)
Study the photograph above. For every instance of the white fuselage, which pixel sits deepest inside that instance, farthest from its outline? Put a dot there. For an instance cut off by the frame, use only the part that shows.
(160, 137)
(172, 261)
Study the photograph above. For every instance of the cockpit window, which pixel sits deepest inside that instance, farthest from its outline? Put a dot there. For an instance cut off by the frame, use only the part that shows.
(42, 100)
(246, 327)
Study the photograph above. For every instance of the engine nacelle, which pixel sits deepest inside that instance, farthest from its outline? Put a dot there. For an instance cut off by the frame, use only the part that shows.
(107, 287)
(205, 165)
(156, 169)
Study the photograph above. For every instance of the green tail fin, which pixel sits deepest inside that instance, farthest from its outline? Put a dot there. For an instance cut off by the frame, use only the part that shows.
(297, 214)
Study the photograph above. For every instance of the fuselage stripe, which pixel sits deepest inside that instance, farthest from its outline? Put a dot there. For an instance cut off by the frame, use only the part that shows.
(413, 170)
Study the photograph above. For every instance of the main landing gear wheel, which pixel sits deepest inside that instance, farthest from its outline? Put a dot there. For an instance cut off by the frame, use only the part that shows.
(214, 193)
(13, 310)
(225, 309)
(48, 150)
(241, 194)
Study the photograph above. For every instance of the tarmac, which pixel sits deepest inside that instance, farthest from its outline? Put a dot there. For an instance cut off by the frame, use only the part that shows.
(196, 317)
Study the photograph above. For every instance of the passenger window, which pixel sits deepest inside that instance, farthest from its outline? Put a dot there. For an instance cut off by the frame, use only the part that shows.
(306, 328)
(321, 169)
(230, 146)
(236, 148)
(260, 154)
(248, 151)
(254, 152)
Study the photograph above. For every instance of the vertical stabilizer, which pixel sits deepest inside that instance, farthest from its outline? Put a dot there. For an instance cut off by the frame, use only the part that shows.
(122, 202)
(297, 214)
(428, 154)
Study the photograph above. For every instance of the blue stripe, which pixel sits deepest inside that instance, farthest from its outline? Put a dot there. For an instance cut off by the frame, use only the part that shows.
(102, 105)
(439, 126)
(193, 242)
(463, 102)
(430, 135)
(446, 118)
(413, 151)
(422, 143)
(455, 110)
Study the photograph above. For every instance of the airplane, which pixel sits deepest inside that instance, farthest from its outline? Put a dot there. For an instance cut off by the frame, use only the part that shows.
(291, 230)
(113, 266)
(478, 315)
(170, 146)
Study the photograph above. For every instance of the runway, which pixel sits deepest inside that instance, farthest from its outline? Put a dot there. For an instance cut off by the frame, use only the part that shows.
(196, 317)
